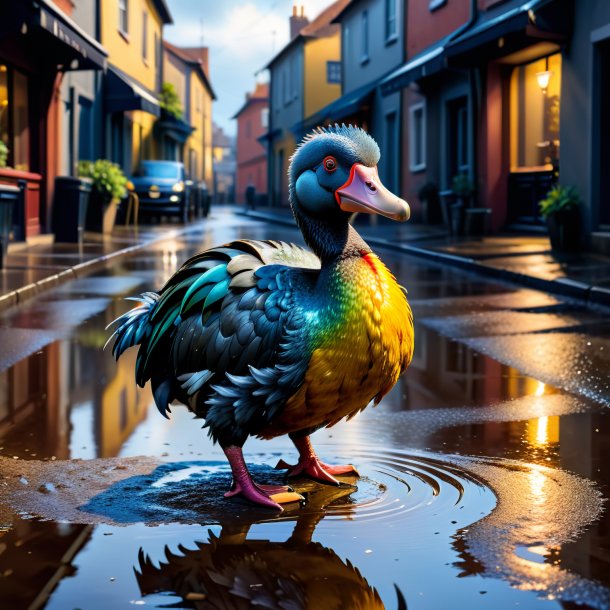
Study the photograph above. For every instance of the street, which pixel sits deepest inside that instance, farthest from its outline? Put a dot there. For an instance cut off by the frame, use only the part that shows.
(484, 478)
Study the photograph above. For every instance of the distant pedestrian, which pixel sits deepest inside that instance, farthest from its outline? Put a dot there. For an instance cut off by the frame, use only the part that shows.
(251, 196)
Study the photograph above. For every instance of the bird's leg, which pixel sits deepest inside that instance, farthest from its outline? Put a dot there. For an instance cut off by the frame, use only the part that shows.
(244, 486)
(311, 466)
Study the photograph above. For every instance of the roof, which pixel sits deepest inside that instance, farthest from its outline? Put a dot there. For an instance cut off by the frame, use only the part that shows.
(191, 56)
(345, 10)
(322, 26)
(259, 95)
(163, 11)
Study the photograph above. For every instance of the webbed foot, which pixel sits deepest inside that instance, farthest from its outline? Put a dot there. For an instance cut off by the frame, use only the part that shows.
(313, 468)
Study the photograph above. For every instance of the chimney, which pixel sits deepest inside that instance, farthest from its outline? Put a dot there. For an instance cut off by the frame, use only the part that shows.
(298, 20)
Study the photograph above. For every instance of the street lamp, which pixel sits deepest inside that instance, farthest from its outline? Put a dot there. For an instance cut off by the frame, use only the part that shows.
(543, 78)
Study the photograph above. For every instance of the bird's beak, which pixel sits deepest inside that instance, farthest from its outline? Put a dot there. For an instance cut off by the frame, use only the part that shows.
(363, 192)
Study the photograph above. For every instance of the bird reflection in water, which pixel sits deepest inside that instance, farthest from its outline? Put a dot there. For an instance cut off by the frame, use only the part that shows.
(233, 571)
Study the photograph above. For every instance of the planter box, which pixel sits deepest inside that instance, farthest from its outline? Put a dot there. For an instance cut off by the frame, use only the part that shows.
(9, 198)
(564, 230)
(70, 204)
(101, 213)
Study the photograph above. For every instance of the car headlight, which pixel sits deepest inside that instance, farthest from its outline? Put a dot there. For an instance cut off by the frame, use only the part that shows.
(178, 187)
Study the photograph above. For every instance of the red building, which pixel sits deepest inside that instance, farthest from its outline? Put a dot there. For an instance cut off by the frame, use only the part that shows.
(252, 123)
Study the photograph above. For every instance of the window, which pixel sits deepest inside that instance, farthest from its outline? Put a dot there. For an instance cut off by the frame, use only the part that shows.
(391, 20)
(417, 137)
(145, 36)
(265, 118)
(285, 89)
(123, 16)
(364, 57)
(534, 114)
(293, 78)
(333, 72)
(14, 120)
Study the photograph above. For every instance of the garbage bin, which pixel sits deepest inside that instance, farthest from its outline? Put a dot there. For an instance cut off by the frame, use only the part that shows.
(9, 196)
(70, 203)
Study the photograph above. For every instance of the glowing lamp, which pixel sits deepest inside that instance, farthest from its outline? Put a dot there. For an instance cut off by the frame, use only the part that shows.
(543, 79)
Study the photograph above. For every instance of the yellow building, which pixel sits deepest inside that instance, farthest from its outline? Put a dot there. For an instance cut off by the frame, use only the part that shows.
(132, 32)
(305, 77)
(188, 138)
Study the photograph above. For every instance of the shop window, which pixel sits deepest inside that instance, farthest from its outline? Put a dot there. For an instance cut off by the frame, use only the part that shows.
(14, 118)
(417, 137)
(534, 114)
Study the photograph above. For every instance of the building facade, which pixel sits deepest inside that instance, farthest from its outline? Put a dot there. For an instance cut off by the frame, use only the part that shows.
(131, 31)
(512, 96)
(39, 44)
(252, 123)
(188, 138)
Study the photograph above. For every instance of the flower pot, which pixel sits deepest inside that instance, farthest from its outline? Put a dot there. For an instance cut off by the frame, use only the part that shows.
(564, 230)
(101, 213)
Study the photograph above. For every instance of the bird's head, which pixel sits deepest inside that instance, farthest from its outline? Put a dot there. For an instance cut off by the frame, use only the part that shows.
(333, 173)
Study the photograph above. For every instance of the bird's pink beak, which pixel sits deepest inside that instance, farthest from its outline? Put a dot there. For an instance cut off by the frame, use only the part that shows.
(363, 192)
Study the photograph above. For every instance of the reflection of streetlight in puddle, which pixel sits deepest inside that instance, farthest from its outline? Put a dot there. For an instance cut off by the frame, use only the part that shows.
(540, 389)
(537, 482)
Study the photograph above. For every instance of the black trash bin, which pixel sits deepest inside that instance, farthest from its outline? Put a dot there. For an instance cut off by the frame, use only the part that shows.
(70, 203)
(9, 197)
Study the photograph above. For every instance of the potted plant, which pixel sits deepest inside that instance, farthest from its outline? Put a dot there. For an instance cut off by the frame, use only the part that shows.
(429, 198)
(109, 186)
(561, 211)
(3, 154)
(462, 190)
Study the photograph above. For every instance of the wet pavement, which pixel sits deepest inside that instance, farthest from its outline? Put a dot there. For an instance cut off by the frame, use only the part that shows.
(484, 473)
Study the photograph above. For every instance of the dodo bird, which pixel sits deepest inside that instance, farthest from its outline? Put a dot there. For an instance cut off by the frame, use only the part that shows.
(265, 338)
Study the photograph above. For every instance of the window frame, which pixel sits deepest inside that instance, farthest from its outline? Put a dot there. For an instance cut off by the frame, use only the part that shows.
(414, 109)
(364, 33)
(123, 6)
(391, 36)
(145, 37)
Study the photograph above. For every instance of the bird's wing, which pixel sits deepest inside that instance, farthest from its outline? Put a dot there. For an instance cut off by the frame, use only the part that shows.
(228, 327)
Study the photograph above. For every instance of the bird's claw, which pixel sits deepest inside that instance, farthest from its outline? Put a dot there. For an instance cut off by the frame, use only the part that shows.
(269, 496)
(312, 467)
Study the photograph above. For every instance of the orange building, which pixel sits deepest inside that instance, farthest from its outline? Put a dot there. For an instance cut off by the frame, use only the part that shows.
(252, 122)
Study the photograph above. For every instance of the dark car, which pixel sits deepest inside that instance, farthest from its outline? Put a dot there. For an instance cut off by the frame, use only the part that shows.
(163, 189)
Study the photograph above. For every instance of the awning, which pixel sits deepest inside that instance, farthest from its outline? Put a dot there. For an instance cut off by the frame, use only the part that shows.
(429, 62)
(346, 105)
(173, 128)
(123, 93)
(50, 36)
(532, 20)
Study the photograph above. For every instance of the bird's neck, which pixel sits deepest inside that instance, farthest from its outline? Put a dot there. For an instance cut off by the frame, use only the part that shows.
(331, 240)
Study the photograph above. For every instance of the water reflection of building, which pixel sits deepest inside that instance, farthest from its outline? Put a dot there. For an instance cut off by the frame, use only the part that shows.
(40, 395)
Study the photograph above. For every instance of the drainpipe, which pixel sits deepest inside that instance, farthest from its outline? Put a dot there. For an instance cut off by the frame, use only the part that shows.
(475, 86)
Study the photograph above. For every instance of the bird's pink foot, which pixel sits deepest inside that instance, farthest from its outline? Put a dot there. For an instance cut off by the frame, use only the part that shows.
(269, 496)
(309, 464)
(313, 468)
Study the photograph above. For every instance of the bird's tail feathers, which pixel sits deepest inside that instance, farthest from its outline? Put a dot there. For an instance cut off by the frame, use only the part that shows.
(131, 326)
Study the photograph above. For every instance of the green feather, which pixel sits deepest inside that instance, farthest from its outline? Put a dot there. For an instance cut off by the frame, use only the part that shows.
(218, 292)
(212, 276)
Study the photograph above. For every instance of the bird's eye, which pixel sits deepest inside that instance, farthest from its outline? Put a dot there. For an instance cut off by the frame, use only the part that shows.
(330, 164)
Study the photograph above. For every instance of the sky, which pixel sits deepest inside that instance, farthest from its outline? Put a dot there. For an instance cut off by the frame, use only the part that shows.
(242, 38)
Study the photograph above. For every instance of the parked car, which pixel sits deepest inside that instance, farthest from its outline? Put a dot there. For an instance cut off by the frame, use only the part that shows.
(164, 189)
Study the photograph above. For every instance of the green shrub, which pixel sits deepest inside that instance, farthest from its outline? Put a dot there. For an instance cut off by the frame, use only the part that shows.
(3, 154)
(559, 198)
(170, 102)
(108, 178)
(462, 186)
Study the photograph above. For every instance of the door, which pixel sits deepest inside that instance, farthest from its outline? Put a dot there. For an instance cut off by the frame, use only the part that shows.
(603, 116)
(457, 132)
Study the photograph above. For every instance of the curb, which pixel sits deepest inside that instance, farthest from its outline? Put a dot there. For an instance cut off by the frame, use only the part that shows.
(591, 295)
(22, 294)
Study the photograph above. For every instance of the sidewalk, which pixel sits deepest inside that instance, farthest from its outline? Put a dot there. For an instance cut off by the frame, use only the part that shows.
(30, 268)
(522, 259)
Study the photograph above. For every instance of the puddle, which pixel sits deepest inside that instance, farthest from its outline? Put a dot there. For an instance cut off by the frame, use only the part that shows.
(482, 471)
